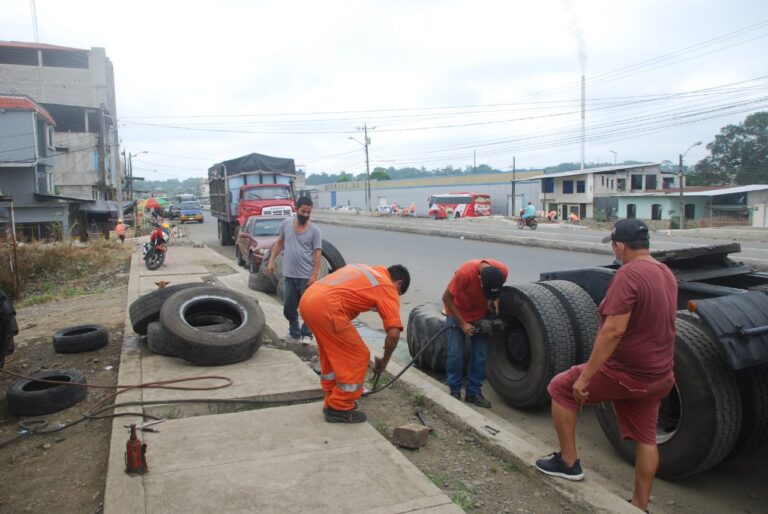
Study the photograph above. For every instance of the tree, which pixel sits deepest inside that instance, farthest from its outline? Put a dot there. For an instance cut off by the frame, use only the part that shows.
(344, 177)
(739, 154)
(380, 175)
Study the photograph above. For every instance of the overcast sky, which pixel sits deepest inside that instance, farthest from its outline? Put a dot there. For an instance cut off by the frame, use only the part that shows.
(201, 82)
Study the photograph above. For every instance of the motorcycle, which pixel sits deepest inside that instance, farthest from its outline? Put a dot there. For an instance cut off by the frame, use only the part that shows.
(155, 249)
(529, 222)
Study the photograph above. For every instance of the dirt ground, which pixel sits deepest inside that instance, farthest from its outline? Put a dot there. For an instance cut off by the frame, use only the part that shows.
(65, 471)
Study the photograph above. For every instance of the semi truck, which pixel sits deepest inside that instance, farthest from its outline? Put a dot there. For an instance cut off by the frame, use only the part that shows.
(251, 185)
(719, 405)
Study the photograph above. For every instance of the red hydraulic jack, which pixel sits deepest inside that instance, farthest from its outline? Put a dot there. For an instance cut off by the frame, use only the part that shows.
(135, 455)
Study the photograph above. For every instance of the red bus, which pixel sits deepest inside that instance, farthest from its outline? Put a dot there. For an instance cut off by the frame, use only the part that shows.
(459, 205)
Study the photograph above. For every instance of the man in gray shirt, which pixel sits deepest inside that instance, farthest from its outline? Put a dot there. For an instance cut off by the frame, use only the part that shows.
(301, 262)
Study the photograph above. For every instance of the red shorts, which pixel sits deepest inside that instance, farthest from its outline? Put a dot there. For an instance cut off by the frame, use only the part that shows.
(636, 402)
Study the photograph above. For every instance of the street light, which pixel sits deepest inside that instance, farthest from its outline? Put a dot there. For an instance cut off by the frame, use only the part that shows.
(367, 172)
(680, 174)
(614, 156)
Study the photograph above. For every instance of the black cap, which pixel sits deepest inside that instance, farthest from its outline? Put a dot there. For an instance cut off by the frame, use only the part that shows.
(492, 279)
(628, 230)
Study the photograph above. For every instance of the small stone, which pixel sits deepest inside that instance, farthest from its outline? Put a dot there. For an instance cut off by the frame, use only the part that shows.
(537, 494)
(46, 446)
(469, 439)
(410, 436)
(60, 440)
(95, 361)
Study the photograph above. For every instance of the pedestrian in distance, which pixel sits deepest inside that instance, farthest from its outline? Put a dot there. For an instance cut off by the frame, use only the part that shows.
(302, 244)
(328, 307)
(472, 294)
(120, 231)
(631, 364)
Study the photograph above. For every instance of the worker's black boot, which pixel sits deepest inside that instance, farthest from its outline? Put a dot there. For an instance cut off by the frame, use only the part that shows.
(344, 416)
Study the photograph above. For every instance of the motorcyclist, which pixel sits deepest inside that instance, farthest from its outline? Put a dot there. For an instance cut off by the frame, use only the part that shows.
(528, 212)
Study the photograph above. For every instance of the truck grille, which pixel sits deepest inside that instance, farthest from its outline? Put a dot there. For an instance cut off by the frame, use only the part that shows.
(279, 210)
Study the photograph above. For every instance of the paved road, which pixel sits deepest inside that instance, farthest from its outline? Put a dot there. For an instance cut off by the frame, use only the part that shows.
(733, 486)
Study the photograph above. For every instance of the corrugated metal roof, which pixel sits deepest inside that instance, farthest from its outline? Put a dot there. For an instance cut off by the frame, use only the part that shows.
(703, 191)
(40, 46)
(590, 171)
(22, 103)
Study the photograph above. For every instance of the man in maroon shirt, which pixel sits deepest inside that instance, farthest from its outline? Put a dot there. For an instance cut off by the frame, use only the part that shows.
(631, 361)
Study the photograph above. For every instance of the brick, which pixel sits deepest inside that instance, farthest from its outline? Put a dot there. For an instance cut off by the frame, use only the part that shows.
(410, 436)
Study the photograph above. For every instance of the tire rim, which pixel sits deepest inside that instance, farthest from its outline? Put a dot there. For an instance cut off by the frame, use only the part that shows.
(518, 350)
(223, 306)
(670, 416)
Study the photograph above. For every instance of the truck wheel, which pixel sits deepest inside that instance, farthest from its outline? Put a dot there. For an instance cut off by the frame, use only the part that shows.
(753, 388)
(146, 309)
(699, 421)
(207, 348)
(332, 257)
(157, 336)
(225, 233)
(80, 338)
(538, 344)
(260, 282)
(423, 323)
(29, 398)
(581, 311)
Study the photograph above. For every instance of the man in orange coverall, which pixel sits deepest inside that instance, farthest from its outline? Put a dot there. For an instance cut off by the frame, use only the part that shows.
(328, 307)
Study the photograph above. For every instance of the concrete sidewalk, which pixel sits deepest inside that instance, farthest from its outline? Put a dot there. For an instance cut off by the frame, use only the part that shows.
(211, 458)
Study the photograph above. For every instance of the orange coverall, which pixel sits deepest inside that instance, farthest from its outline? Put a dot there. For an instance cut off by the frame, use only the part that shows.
(328, 307)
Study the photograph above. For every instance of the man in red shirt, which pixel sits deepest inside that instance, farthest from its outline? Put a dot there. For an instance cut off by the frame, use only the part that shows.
(328, 307)
(467, 299)
(631, 361)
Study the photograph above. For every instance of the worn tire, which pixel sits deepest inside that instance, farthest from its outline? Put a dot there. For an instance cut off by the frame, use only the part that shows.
(753, 388)
(157, 336)
(29, 398)
(260, 282)
(424, 322)
(155, 261)
(582, 313)
(206, 348)
(538, 344)
(146, 309)
(80, 338)
(332, 258)
(239, 257)
(699, 421)
(280, 290)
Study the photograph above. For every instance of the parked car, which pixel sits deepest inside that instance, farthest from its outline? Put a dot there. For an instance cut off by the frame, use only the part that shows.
(255, 238)
(172, 212)
(384, 210)
(190, 211)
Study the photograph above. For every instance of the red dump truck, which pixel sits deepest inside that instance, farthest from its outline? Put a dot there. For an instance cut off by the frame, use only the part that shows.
(251, 185)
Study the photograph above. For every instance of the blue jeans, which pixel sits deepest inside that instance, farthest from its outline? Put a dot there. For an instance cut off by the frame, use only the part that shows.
(294, 288)
(454, 366)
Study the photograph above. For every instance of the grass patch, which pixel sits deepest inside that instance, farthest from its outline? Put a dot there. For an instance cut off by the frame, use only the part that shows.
(54, 271)
(463, 497)
(511, 466)
(381, 426)
(417, 400)
(439, 479)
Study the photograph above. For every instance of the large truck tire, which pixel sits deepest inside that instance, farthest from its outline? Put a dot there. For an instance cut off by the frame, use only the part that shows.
(260, 282)
(207, 348)
(80, 338)
(424, 322)
(331, 260)
(30, 398)
(581, 311)
(157, 336)
(146, 308)
(700, 419)
(538, 344)
(753, 388)
(225, 233)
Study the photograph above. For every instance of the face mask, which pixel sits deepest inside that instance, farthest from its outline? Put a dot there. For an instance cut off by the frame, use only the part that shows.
(302, 219)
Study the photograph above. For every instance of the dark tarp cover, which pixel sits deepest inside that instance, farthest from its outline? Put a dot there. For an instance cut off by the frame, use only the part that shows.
(255, 162)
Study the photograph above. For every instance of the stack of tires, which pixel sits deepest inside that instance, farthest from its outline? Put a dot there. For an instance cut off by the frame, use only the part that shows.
(202, 324)
(274, 283)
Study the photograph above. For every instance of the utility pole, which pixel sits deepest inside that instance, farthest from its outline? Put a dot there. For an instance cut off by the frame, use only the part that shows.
(474, 161)
(514, 177)
(367, 170)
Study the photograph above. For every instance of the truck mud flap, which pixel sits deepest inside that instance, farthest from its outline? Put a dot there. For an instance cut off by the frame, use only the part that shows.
(740, 324)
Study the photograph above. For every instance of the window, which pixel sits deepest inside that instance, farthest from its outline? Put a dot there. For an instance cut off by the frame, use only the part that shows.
(690, 211)
(631, 211)
(602, 180)
(650, 182)
(581, 186)
(548, 185)
(51, 143)
(656, 211)
(567, 187)
(611, 183)
(621, 184)
(667, 182)
(637, 182)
